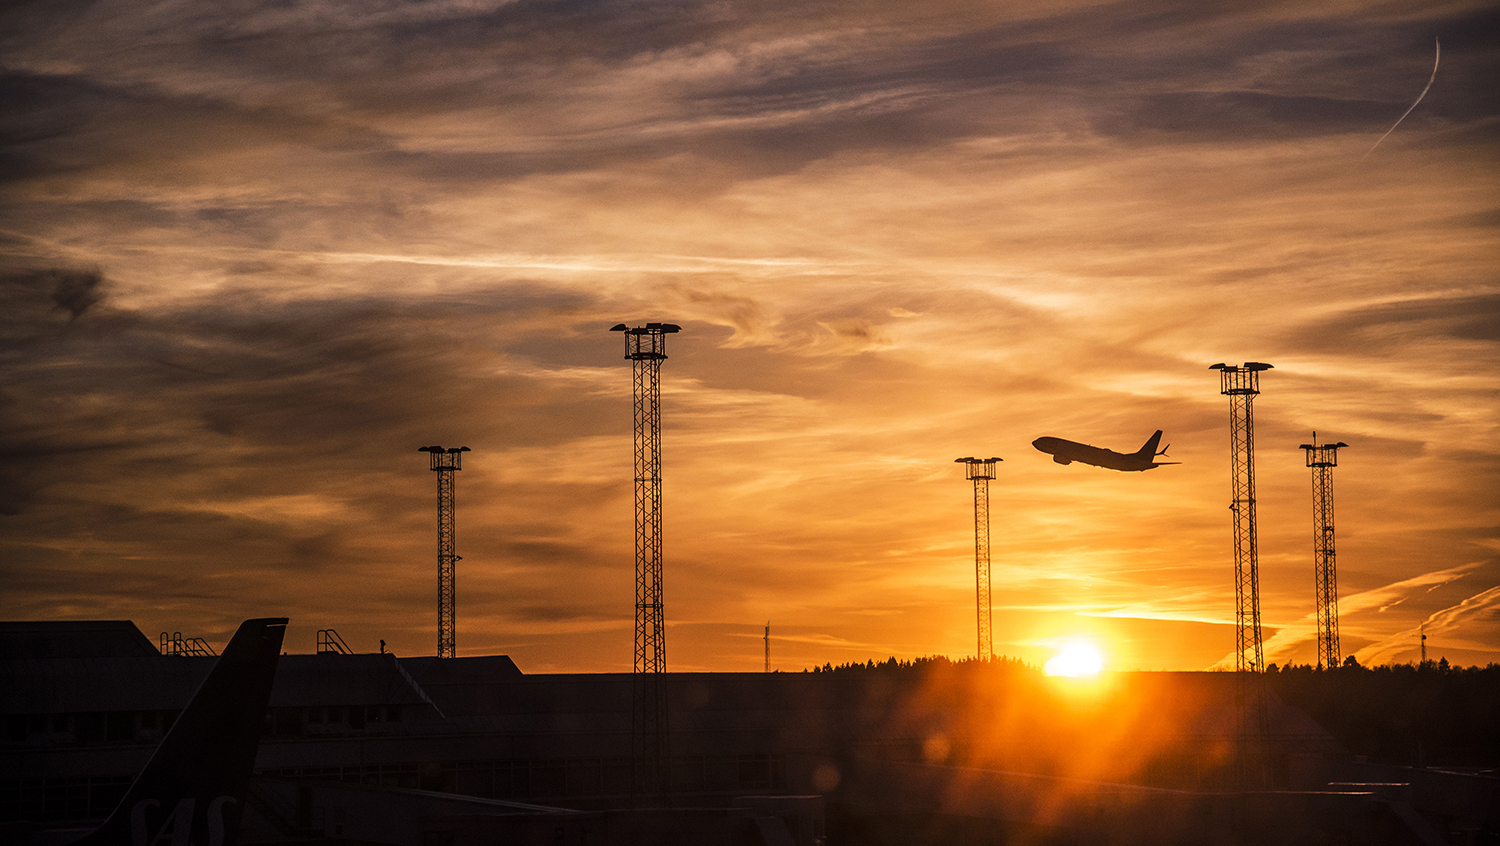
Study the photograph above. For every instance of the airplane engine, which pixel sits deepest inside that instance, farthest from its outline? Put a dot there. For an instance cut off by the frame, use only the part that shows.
(1060, 459)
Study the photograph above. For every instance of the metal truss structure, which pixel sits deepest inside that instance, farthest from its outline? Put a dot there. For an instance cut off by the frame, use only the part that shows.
(768, 646)
(646, 347)
(1241, 384)
(444, 462)
(1322, 458)
(981, 471)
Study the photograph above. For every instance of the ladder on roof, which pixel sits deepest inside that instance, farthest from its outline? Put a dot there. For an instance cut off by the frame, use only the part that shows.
(329, 642)
(176, 644)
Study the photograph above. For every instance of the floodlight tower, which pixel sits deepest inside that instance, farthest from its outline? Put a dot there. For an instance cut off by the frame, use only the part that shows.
(1241, 384)
(768, 646)
(1322, 458)
(646, 347)
(444, 462)
(980, 471)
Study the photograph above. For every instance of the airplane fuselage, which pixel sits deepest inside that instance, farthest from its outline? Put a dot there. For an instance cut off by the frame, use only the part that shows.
(1064, 451)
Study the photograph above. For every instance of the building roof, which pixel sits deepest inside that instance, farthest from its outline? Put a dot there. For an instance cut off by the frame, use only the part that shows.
(73, 639)
(165, 683)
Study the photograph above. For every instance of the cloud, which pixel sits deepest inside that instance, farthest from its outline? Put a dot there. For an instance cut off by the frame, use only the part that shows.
(893, 235)
(1292, 635)
(77, 290)
(747, 316)
(1453, 621)
(1381, 325)
(68, 290)
(851, 336)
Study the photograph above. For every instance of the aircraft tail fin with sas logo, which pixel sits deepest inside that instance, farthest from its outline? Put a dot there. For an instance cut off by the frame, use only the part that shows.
(193, 789)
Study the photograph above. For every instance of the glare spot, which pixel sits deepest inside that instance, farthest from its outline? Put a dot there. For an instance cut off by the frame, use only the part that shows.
(1078, 659)
(826, 777)
(935, 749)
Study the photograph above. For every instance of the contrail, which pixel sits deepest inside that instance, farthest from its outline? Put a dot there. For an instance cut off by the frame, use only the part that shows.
(1435, 60)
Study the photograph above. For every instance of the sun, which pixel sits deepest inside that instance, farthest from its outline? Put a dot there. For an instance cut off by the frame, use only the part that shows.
(1077, 659)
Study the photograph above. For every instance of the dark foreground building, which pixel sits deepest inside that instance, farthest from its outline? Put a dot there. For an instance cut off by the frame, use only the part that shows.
(372, 749)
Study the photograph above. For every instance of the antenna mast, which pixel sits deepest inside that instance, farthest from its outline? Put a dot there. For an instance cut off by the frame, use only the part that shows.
(646, 347)
(768, 646)
(444, 462)
(1322, 459)
(980, 471)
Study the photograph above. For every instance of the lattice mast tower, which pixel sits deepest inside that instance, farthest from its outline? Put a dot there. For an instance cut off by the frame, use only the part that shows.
(445, 462)
(768, 646)
(646, 347)
(981, 471)
(1241, 384)
(1322, 458)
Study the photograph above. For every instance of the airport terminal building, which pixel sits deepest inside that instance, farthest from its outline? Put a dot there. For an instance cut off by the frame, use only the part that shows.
(376, 749)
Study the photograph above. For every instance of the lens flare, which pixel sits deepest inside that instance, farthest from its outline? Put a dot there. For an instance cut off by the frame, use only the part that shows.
(1078, 659)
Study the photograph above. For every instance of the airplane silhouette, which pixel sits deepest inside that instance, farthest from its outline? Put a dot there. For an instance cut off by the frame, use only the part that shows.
(193, 789)
(1067, 452)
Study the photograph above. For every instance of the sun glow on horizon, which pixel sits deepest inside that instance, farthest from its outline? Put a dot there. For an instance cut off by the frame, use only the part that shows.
(1076, 659)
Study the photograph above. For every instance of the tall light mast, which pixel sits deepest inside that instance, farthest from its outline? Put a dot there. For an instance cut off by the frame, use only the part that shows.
(1241, 384)
(768, 646)
(981, 471)
(445, 462)
(1322, 458)
(646, 347)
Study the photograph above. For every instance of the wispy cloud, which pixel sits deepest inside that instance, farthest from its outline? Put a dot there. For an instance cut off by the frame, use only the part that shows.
(1453, 622)
(1289, 636)
(255, 254)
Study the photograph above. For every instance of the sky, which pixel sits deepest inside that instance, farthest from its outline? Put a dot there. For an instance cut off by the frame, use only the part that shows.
(254, 254)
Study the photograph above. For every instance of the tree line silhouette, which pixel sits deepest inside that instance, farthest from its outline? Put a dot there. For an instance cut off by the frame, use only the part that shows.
(1427, 714)
(1430, 714)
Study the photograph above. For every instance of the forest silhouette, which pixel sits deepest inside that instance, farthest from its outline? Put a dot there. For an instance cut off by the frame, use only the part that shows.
(1430, 714)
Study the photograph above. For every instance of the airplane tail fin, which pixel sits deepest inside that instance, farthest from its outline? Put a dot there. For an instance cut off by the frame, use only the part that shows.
(193, 788)
(1148, 450)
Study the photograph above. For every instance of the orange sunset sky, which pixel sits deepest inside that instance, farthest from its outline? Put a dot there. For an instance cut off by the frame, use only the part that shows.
(253, 254)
